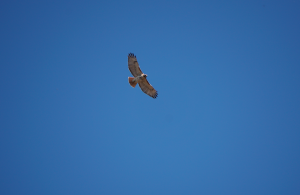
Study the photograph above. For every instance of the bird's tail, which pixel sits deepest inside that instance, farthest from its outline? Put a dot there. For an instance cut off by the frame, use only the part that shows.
(131, 82)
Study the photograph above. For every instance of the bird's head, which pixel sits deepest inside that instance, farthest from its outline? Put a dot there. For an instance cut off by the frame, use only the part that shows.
(144, 75)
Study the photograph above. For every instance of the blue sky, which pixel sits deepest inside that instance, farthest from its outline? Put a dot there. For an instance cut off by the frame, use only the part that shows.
(226, 120)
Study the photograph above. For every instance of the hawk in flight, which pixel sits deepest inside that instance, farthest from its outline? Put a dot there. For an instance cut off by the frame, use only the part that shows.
(139, 77)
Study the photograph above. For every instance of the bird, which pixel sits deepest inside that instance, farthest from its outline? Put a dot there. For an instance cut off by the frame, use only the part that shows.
(139, 77)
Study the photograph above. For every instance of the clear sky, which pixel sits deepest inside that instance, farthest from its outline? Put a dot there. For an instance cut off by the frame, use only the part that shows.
(227, 116)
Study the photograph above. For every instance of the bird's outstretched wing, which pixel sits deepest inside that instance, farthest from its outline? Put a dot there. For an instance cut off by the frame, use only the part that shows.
(133, 65)
(147, 88)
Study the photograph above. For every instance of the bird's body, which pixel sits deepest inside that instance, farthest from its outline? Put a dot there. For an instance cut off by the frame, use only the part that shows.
(139, 77)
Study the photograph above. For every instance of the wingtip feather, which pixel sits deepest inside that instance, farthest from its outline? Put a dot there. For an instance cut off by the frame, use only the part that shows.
(131, 55)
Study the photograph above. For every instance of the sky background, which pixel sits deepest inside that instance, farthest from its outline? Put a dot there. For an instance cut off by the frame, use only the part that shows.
(227, 116)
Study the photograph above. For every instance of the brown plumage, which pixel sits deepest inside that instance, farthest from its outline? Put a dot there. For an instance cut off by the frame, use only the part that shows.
(139, 77)
(132, 82)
